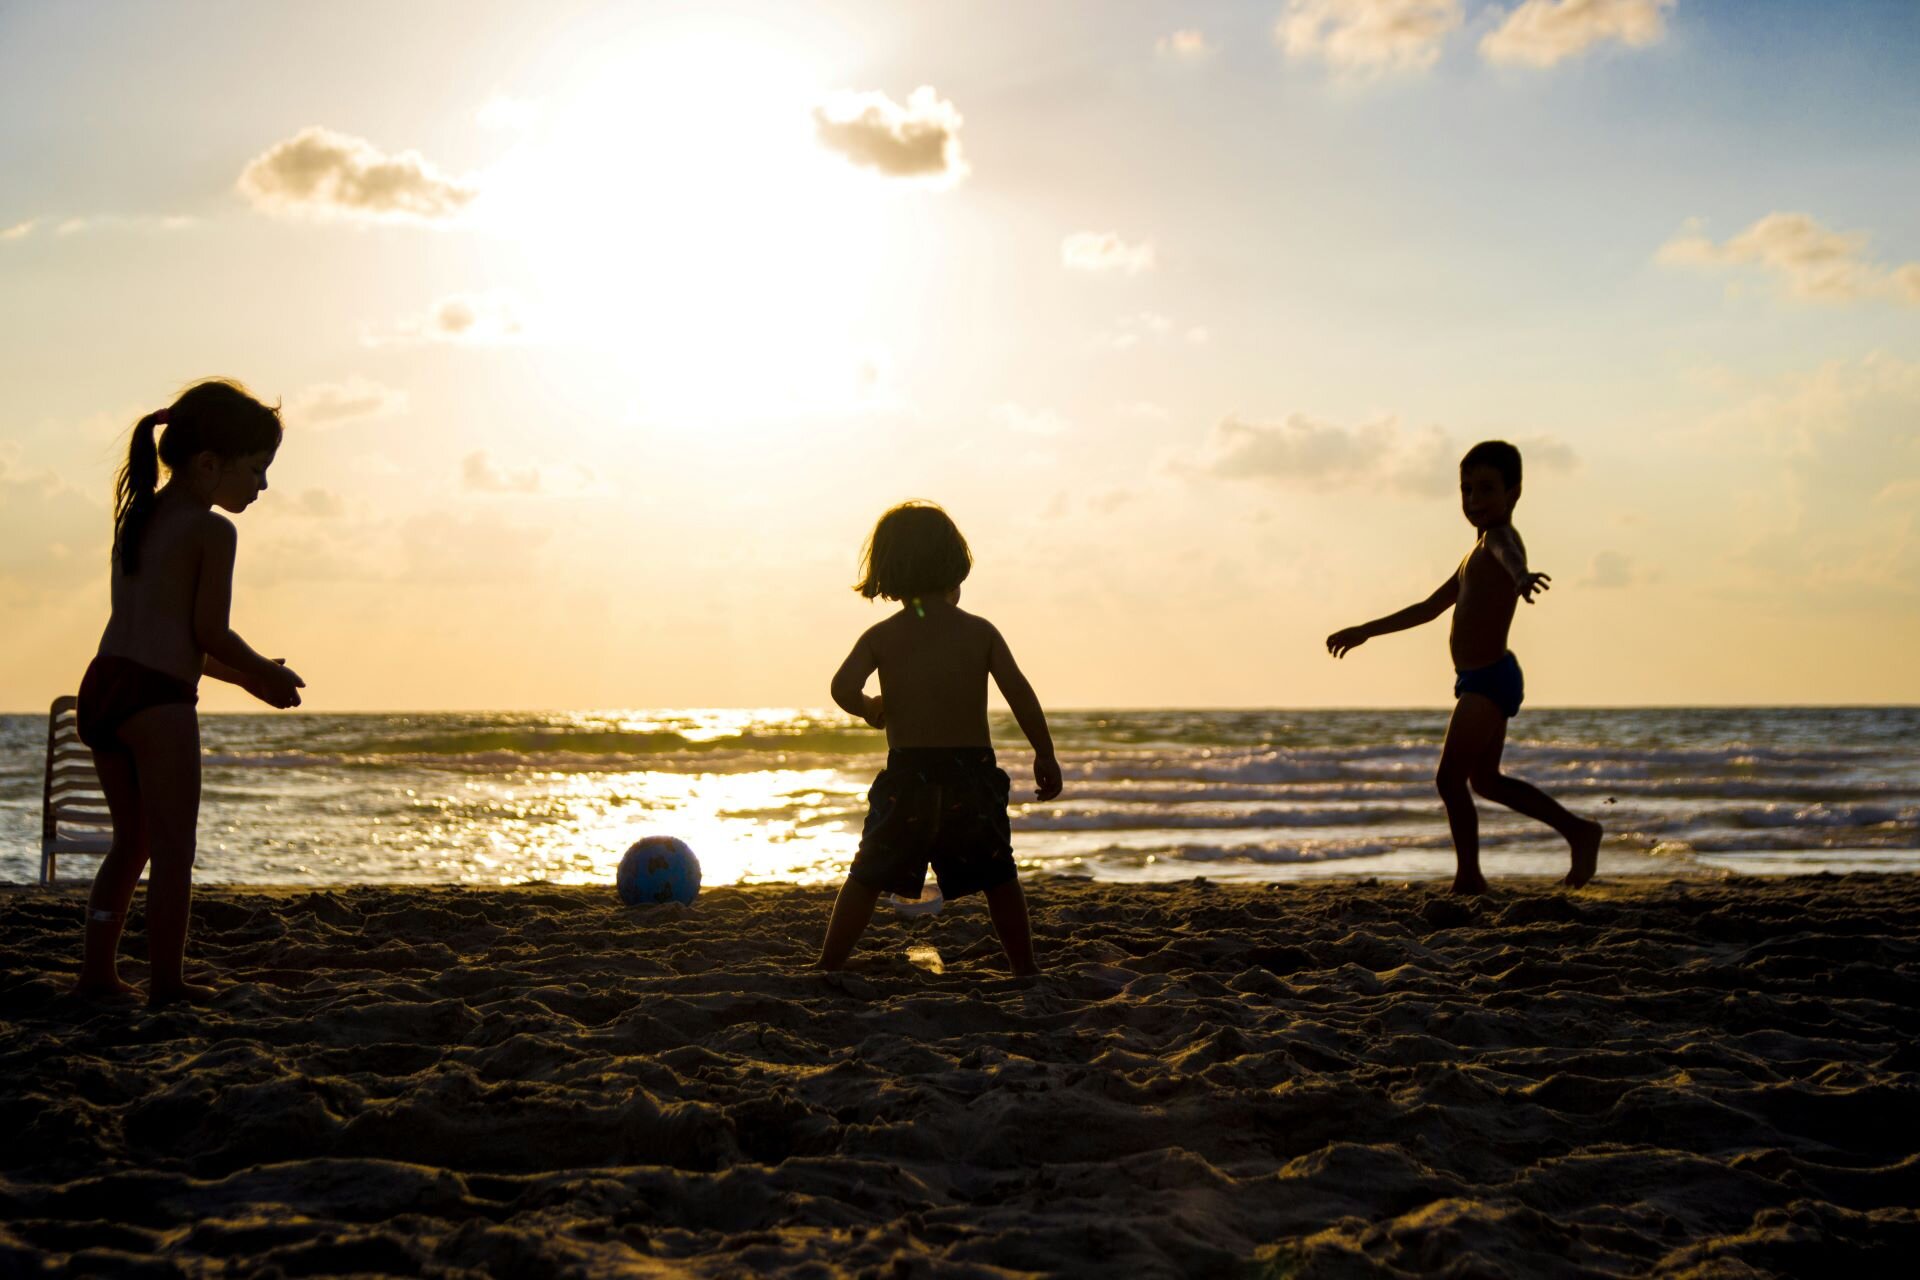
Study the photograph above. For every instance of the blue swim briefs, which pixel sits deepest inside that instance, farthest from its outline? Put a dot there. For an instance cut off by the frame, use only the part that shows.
(1499, 682)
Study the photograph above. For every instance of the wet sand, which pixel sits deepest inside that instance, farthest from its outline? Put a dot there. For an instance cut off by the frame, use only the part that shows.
(1700, 1078)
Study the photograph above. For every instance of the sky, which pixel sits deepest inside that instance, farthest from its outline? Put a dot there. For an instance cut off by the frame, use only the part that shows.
(604, 333)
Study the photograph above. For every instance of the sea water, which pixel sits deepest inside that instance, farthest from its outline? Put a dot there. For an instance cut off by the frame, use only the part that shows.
(779, 794)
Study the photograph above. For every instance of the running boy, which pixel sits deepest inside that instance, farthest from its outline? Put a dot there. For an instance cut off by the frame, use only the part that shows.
(941, 798)
(1488, 689)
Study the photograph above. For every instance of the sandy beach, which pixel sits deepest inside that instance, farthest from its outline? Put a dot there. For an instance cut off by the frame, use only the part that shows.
(1703, 1078)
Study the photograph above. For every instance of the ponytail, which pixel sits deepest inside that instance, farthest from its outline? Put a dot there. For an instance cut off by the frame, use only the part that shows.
(134, 490)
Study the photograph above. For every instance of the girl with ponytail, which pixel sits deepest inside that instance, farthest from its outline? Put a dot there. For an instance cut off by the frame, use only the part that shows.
(172, 581)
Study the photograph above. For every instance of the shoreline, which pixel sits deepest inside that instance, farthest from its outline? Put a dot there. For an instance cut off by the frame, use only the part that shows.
(1291, 1079)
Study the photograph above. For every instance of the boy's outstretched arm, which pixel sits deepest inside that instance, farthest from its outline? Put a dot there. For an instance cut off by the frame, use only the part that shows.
(1413, 615)
(1511, 554)
(850, 684)
(1026, 709)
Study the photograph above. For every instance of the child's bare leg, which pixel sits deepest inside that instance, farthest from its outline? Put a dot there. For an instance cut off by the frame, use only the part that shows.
(851, 912)
(1581, 835)
(1476, 730)
(115, 881)
(165, 742)
(1008, 907)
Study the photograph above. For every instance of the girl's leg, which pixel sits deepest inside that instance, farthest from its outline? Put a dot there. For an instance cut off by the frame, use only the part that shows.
(1473, 734)
(117, 878)
(165, 742)
(851, 912)
(1008, 907)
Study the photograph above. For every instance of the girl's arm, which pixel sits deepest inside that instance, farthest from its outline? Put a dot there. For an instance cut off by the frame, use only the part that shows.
(1025, 705)
(226, 655)
(850, 684)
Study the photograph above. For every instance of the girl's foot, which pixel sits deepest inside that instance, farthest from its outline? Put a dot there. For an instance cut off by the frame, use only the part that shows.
(1586, 855)
(106, 989)
(184, 993)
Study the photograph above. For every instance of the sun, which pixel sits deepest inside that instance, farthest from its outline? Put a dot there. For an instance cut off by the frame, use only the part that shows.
(678, 215)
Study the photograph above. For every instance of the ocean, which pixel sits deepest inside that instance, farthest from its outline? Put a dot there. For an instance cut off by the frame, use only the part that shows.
(779, 794)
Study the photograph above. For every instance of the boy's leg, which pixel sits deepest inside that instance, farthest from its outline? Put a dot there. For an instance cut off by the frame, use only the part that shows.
(165, 742)
(1008, 907)
(116, 879)
(851, 912)
(1476, 729)
(1581, 835)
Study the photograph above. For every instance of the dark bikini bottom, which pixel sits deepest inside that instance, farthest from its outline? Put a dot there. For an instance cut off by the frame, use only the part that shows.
(114, 689)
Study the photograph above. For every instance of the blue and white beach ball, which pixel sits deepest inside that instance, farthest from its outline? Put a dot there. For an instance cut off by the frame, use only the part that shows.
(658, 869)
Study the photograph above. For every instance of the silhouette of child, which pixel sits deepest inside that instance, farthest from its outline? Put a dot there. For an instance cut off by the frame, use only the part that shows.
(1488, 688)
(942, 798)
(172, 582)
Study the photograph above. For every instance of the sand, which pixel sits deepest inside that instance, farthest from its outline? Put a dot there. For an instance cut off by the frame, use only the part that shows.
(1699, 1078)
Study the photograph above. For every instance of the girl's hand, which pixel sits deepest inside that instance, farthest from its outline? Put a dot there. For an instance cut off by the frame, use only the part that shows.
(279, 686)
(1531, 583)
(1340, 642)
(1046, 778)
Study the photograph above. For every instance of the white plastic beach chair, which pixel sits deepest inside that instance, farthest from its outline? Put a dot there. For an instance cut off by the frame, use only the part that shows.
(73, 812)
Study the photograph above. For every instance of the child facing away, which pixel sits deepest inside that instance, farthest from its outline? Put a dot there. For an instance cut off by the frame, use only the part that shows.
(172, 582)
(1488, 687)
(942, 797)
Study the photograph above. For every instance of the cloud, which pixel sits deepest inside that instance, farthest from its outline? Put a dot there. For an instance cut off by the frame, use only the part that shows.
(479, 473)
(507, 113)
(1614, 570)
(331, 403)
(1104, 251)
(1187, 45)
(1541, 33)
(1037, 422)
(1365, 38)
(319, 504)
(1146, 409)
(1814, 263)
(18, 231)
(1197, 336)
(1300, 450)
(51, 536)
(318, 171)
(478, 318)
(919, 140)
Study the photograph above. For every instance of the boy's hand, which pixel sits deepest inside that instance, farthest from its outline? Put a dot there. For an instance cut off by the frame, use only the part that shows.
(1046, 778)
(279, 687)
(1531, 583)
(1340, 642)
(877, 712)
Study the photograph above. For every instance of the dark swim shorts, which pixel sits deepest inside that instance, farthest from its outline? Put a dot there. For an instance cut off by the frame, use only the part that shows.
(944, 805)
(114, 689)
(1499, 682)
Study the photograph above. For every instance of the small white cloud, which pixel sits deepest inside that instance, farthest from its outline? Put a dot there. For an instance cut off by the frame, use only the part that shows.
(1104, 251)
(1146, 409)
(70, 226)
(476, 318)
(1542, 32)
(320, 172)
(332, 403)
(18, 231)
(1028, 421)
(1187, 45)
(918, 140)
(1612, 570)
(1814, 263)
(479, 473)
(1363, 38)
(1198, 336)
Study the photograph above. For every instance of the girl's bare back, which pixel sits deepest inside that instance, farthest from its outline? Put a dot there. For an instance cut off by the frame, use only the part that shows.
(153, 608)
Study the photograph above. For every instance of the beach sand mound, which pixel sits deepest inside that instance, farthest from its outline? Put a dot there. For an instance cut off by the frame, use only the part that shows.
(1694, 1078)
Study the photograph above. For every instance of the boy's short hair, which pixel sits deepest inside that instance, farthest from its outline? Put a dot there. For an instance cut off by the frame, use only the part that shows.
(1499, 455)
(915, 550)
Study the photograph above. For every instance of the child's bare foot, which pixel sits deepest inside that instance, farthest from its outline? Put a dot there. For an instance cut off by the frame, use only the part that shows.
(1586, 855)
(184, 993)
(104, 989)
(1465, 882)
